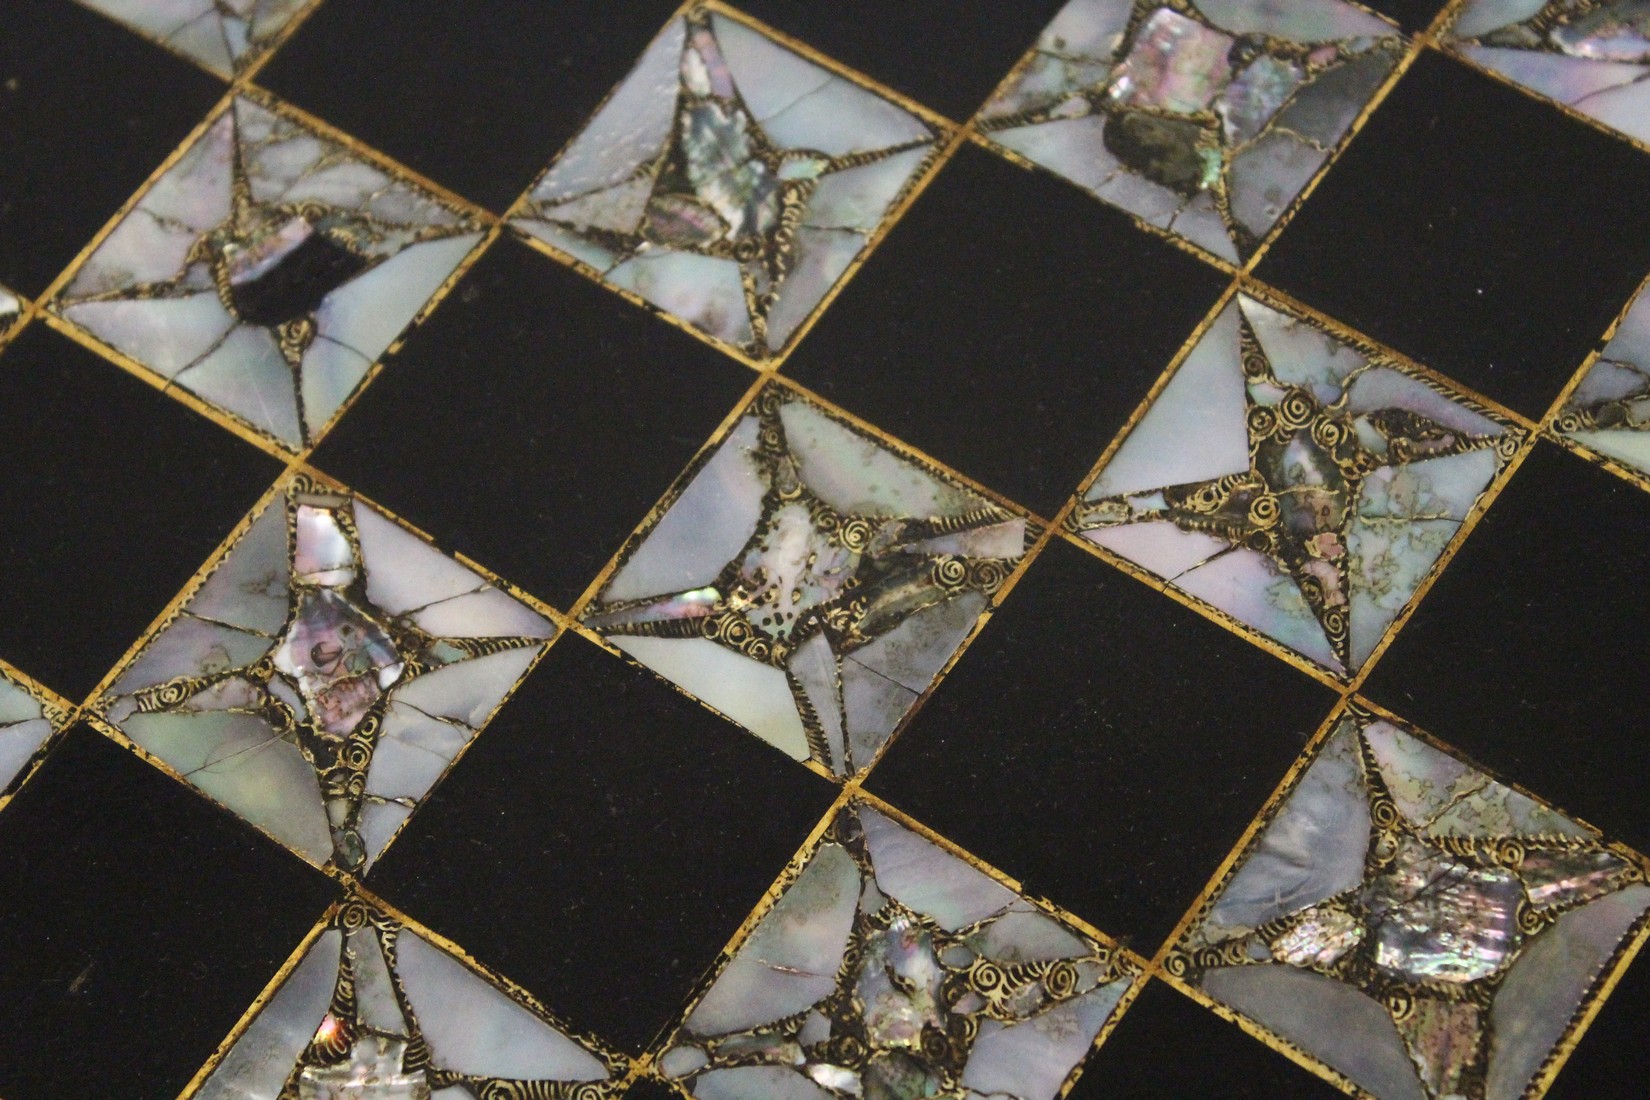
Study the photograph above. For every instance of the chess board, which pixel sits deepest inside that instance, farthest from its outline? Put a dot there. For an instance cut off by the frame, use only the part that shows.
(824, 550)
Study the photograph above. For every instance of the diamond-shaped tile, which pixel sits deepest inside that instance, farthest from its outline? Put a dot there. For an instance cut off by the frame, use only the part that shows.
(891, 967)
(1205, 120)
(225, 36)
(26, 722)
(809, 580)
(1412, 923)
(729, 181)
(1609, 412)
(378, 1008)
(1592, 56)
(268, 269)
(325, 674)
(1301, 484)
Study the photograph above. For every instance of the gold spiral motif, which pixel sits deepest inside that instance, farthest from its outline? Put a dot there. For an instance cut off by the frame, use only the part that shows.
(1177, 964)
(730, 629)
(987, 977)
(936, 1045)
(1061, 980)
(354, 916)
(1255, 366)
(855, 534)
(950, 572)
(1507, 444)
(1569, 422)
(849, 1050)
(1296, 410)
(757, 649)
(1264, 510)
(1530, 919)
(1335, 623)
(167, 695)
(1400, 1002)
(1383, 813)
(1328, 433)
(357, 753)
(1262, 421)
(987, 574)
(1509, 852)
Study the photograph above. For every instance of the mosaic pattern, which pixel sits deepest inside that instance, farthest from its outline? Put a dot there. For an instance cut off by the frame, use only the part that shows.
(267, 270)
(223, 35)
(729, 181)
(1609, 412)
(375, 1011)
(1414, 924)
(325, 675)
(1301, 485)
(1205, 118)
(25, 725)
(890, 968)
(1593, 55)
(808, 581)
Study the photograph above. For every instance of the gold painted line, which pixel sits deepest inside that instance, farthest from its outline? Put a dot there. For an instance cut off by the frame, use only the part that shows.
(1266, 1037)
(375, 157)
(1450, 50)
(617, 1062)
(1485, 501)
(1199, 331)
(1009, 582)
(319, 432)
(277, 41)
(667, 499)
(580, 267)
(1625, 851)
(830, 64)
(1629, 474)
(174, 607)
(1208, 611)
(1417, 44)
(764, 905)
(522, 200)
(946, 146)
(1282, 300)
(55, 287)
(161, 384)
(118, 736)
(1602, 988)
(1263, 818)
(738, 728)
(1474, 515)
(260, 1002)
(913, 455)
(1168, 236)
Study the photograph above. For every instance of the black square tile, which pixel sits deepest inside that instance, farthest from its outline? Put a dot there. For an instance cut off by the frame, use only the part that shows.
(1168, 1045)
(1476, 230)
(1609, 1061)
(1008, 326)
(476, 97)
(533, 420)
(602, 841)
(114, 495)
(946, 54)
(1527, 653)
(87, 111)
(1102, 744)
(139, 923)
